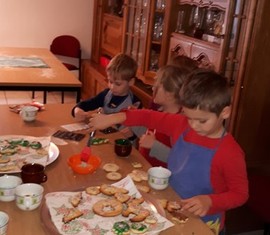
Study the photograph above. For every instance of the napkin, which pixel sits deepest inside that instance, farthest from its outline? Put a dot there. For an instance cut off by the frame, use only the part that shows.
(90, 223)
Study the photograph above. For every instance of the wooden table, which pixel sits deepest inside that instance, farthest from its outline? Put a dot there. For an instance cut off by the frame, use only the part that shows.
(55, 77)
(61, 177)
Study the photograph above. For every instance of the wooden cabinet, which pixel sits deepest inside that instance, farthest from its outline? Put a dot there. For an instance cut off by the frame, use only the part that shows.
(207, 54)
(93, 79)
(111, 43)
(200, 31)
(147, 29)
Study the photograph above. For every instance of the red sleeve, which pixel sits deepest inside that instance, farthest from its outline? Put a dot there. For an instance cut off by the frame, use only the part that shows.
(228, 177)
(166, 123)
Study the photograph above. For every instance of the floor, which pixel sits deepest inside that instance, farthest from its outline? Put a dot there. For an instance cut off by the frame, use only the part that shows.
(21, 97)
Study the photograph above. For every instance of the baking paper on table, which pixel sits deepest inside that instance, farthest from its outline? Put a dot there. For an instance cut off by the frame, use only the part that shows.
(75, 126)
(21, 149)
(90, 223)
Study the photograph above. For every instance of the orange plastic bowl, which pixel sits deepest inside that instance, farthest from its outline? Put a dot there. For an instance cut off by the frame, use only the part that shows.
(81, 167)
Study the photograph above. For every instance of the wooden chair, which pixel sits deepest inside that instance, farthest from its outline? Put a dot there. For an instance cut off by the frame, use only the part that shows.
(69, 48)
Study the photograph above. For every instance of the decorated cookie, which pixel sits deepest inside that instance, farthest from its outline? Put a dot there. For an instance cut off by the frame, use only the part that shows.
(108, 207)
(121, 228)
(138, 228)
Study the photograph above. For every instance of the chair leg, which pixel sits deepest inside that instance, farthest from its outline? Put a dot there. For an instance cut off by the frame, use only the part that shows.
(44, 97)
(33, 94)
(63, 97)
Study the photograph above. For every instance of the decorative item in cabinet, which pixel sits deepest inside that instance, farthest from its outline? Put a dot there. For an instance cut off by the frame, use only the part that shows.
(111, 43)
(155, 42)
(202, 19)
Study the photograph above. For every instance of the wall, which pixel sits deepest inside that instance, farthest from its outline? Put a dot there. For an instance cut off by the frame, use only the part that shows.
(34, 23)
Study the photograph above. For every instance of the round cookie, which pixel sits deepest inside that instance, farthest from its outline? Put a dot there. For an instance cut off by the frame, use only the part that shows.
(113, 176)
(163, 203)
(142, 174)
(151, 219)
(121, 228)
(111, 167)
(135, 177)
(136, 164)
(108, 207)
(138, 228)
(143, 188)
(122, 197)
(110, 190)
(4, 159)
(93, 190)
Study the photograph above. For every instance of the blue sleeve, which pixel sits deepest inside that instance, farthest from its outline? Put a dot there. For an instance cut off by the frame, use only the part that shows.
(92, 103)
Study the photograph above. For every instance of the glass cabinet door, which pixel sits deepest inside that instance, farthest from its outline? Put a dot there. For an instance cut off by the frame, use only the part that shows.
(156, 35)
(136, 14)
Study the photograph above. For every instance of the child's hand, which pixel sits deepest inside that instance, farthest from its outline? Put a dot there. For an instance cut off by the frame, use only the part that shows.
(198, 205)
(99, 121)
(147, 140)
(79, 114)
(126, 132)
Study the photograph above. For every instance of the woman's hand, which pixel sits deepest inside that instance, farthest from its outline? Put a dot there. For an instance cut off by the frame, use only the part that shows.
(147, 140)
(198, 205)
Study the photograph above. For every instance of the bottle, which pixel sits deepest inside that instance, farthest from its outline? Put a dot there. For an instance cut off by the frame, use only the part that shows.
(180, 20)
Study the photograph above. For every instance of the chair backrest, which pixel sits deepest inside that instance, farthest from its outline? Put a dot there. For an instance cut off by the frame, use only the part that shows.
(66, 45)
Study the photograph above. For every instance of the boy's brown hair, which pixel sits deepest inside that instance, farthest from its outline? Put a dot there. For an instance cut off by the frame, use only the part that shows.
(184, 62)
(172, 78)
(122, 67)
(206, 90)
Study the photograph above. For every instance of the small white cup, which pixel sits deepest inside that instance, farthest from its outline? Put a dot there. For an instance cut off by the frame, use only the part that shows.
(4, 218)
(29, 113)
(8, 184)
(158, 177)
(29, 196)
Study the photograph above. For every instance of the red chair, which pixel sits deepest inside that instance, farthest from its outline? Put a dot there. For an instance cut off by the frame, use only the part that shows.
(259, 198)
(68, 47)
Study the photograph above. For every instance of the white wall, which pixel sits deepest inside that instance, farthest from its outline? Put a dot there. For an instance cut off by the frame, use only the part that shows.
(34, 23)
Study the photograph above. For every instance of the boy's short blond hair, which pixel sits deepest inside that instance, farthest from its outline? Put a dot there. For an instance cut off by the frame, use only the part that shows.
(122, 67)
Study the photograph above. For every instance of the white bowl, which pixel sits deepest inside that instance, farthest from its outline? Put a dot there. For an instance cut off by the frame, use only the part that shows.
(8, 184)
(4, 218)
(158, 177)
(29, 196)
